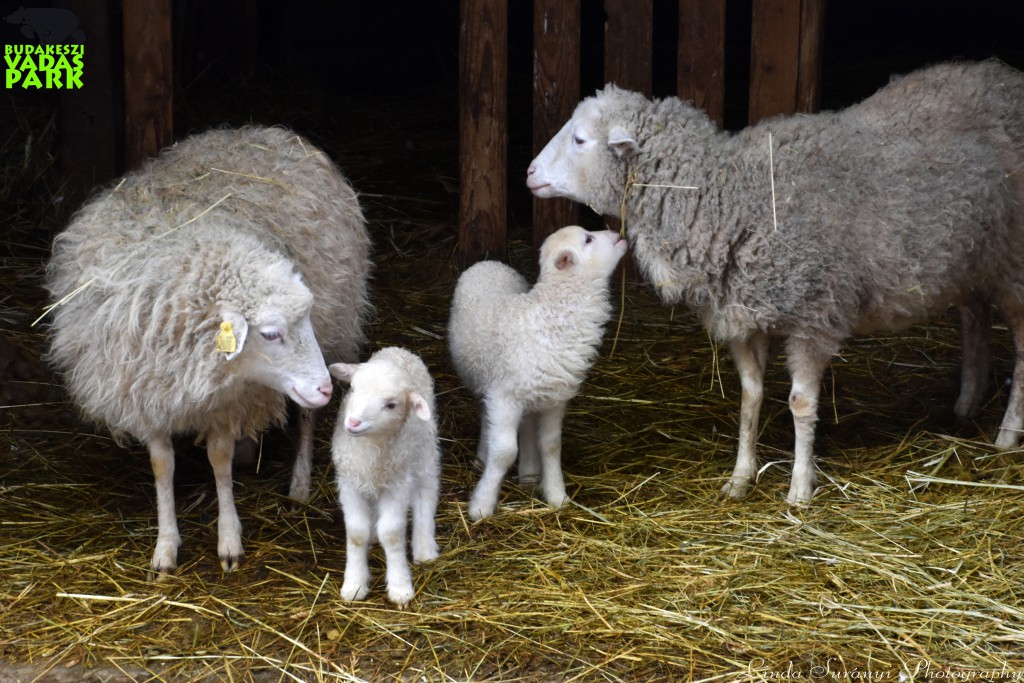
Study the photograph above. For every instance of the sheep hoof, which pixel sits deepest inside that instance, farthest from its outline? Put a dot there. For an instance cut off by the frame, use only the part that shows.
(800, 495)
(428, 554)
(734, 490)
(1007, 439)
(230, 563)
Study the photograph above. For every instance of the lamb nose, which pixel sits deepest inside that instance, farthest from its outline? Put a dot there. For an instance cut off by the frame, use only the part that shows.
(354, 423)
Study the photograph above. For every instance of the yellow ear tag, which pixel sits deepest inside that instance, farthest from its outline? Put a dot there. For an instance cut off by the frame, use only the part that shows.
(226, 338)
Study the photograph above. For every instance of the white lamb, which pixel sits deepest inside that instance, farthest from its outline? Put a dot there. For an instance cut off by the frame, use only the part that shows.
(524, 353)
(190, 297)
(386, 459)
(810, 229)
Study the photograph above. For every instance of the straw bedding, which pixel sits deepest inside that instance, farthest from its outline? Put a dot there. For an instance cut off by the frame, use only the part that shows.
(909, 561)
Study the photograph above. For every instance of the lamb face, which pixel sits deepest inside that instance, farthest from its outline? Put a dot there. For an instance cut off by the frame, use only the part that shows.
(581, 253)
(380, 400)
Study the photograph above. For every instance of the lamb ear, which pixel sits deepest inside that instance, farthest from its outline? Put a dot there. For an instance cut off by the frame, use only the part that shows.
(232, 333)
(565, 259)
(622, 143)
(343, 371)
(420, 407)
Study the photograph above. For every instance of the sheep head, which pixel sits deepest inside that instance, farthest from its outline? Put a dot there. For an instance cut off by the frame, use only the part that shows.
(380, 399)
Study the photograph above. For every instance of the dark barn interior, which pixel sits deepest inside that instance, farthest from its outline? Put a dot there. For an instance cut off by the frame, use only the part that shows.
(906, 565)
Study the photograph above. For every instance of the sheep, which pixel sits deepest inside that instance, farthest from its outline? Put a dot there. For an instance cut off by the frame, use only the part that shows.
(189, 298)
(386, 460)
(809, 229)
(524, 353)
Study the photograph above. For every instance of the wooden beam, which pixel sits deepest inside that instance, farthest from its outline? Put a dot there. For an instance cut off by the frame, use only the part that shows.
(700, 76)
(629, 44)
(556, 91)
(785, 57)
(483, 140)
(148, 79)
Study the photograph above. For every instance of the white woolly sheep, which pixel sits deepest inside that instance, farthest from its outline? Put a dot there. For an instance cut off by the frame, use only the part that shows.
(810, 229)
(387, 460)
(253, 228)
(524, 353)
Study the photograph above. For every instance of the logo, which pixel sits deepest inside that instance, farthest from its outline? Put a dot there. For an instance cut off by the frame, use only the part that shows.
(56, 57)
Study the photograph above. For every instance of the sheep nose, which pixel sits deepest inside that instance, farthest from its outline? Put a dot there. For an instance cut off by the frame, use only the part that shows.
(326, 389)
(353, 423)
(530, 171)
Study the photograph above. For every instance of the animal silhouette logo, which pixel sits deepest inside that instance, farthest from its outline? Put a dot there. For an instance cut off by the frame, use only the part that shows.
(48, 25)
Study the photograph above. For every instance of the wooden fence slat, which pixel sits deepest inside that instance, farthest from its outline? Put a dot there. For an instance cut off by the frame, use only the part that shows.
(556, 91)
(701, 64)
(774, 53)
(629, 44)
(483, 140)
(148, 79)
(812, 40)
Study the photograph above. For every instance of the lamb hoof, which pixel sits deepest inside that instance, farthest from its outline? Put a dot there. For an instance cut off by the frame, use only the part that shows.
(401, 596)
(354, 591)
(800, 495)
(164, 561)
(479, 509)
(427, 554)
(230, 563)
(734, 490)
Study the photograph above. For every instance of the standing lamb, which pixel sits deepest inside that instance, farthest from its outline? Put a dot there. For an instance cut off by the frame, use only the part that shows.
(387, 460)
(524, 353)
(810, 229)
(189, 298)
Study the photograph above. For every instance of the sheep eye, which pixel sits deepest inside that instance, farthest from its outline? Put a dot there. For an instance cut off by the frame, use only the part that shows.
(578, 140)
(590, 238)
(390, 405)
(271, 336)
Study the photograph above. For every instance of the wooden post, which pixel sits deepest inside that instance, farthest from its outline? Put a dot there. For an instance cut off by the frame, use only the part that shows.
(785, 57)
(556, 91)
(483, 140)
(629, 44)
(701, 67)
(148, 79)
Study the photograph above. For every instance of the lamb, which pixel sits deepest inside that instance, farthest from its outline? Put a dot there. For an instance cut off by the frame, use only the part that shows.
(524, 353)
(189, 298)
(811, 229)
(386, 459)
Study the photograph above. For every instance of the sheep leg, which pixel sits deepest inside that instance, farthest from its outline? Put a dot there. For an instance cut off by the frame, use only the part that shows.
(220, 449)
(481, 445)
(807, 362)
(391, 530)
(502, 422)
(358, 530)
(301, 470)
(975, 328)
(424, 509)
(751, 357)
(1013, 420)
(529, 454)
(550, 437)
(161, 457)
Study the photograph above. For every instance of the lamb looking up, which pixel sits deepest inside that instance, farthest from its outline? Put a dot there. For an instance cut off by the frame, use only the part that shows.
(254, 229)
(524, 353)
(386, 459)
(882, 215)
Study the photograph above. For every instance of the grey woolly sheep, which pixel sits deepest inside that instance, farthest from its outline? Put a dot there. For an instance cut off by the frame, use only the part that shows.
(524, 353)
(810, 229)
(386, 460)
(189, 298)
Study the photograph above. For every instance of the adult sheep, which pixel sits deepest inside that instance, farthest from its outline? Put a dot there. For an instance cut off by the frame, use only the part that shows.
(189, 298)
(810, 229)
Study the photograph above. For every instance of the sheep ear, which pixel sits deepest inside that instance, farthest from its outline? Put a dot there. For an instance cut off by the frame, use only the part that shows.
(622, 143)
(232, 334)
(343, 371)
(420, 407)
(565, 259)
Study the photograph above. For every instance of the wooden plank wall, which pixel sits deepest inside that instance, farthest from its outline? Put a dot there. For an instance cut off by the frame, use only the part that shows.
(786, 40)
(148, 79)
